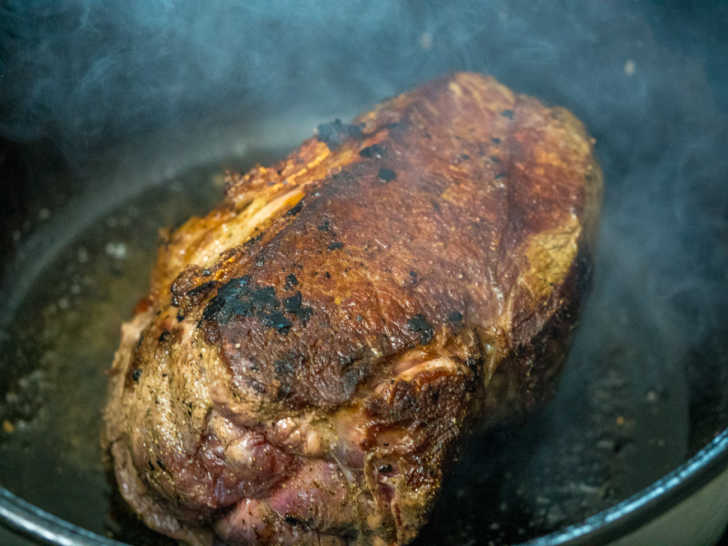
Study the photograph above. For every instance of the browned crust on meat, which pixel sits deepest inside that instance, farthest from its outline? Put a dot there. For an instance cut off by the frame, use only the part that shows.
(458, 217)
(454, 223)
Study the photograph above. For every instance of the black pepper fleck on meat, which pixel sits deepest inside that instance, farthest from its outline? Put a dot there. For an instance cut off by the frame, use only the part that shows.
(455, 316)
(136, 374)
(324, 226)
(507, 114)
(336, 245)
(164, 336)
(291, 281)
(495, 140)
(419, 324)
(386, 175)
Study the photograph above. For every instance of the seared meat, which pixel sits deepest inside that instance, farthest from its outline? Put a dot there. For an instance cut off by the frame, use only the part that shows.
(311, 351)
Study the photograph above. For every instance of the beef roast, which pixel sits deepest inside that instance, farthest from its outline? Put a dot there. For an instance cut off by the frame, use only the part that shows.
(311, 351)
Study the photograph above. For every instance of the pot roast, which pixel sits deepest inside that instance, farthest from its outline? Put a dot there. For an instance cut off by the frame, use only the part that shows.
(312, 352)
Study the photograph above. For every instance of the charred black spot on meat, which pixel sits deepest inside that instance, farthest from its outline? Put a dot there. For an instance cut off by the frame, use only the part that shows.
(386, 175)
(293, 304)
(136, 375)
(334, 133)
(304, 313)
(277, 320)
(374, 151)
(414, 278)
(419, 324)
(231, 300)
(180, 316)
(292, 520)
(507, 114)
(164, 336)
(264, 297)
(336, 245)
(455, 316)
(324, 226)
(295, 209)
(385, 469)
(291, 281)
(206, 272)
(238, 299)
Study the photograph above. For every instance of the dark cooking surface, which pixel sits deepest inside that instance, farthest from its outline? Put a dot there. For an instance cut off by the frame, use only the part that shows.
(645, 385)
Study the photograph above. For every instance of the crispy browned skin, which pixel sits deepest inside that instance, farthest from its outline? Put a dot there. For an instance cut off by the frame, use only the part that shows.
(311, 350)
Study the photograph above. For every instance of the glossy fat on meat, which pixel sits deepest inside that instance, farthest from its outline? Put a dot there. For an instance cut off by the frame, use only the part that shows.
(311, 352)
